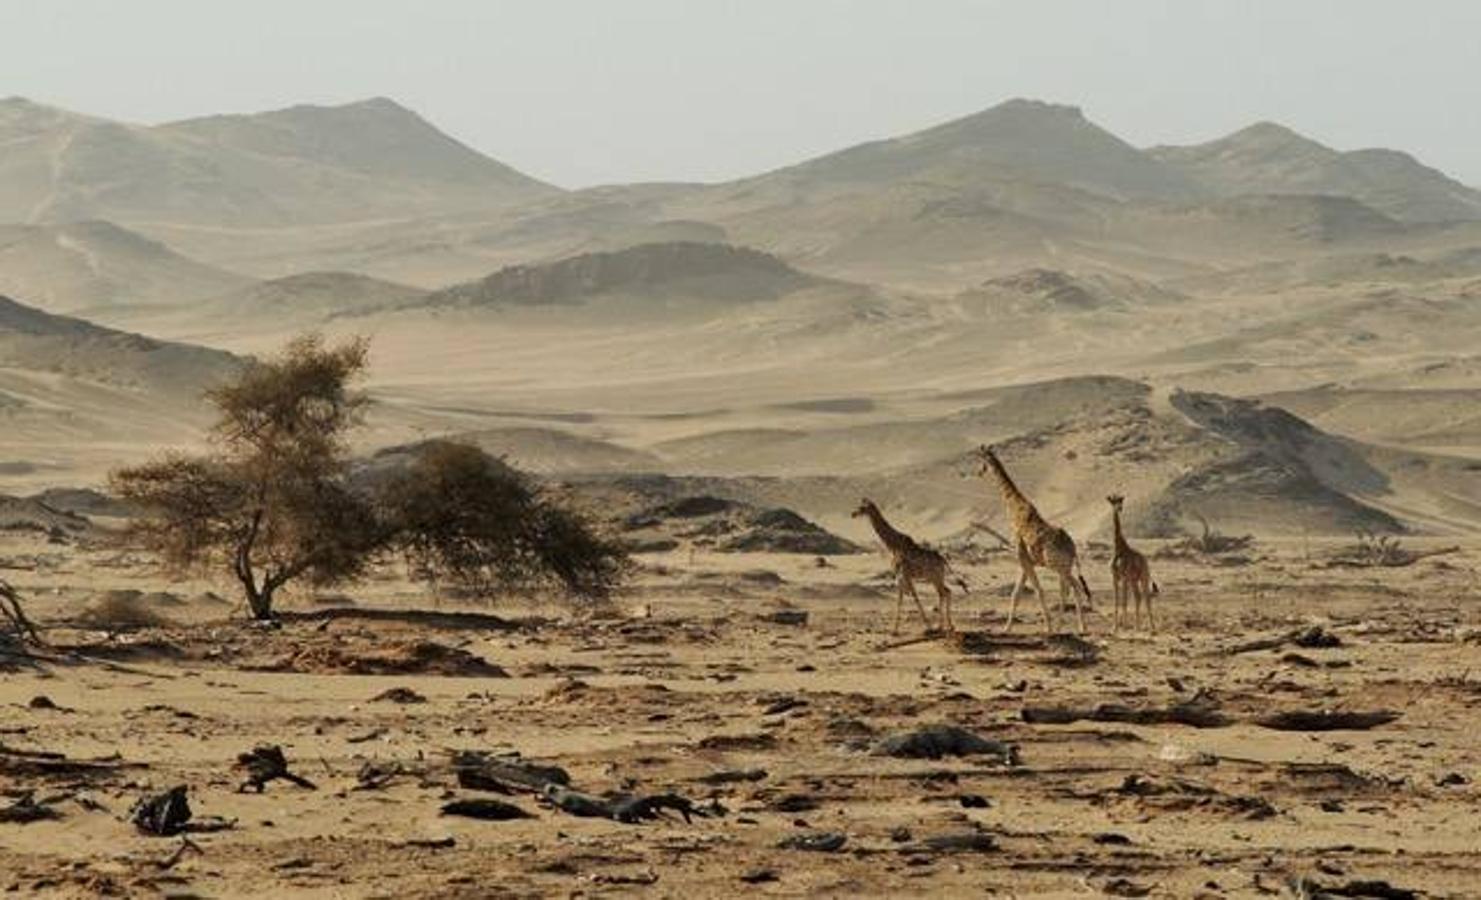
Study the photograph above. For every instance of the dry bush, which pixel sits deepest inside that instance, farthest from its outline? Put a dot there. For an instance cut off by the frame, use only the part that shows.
(275, 502)
(1212, 542)
(15, 628)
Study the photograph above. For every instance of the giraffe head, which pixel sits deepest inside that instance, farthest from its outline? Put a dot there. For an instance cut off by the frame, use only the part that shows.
(985, 456)
(866, 506)
(1115, 500)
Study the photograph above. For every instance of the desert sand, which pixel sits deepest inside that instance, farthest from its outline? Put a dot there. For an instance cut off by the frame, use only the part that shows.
(687, 687)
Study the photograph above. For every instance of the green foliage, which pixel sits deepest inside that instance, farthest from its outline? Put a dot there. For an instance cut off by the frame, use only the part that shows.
(275, 501)
(462, 514)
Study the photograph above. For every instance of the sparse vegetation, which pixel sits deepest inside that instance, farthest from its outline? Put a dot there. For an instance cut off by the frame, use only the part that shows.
(15, 628)
(1373, 549)
(275, 502)
(1210, 541)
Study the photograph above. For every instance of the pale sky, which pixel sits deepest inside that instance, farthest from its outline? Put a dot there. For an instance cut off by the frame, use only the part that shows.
(581, 92)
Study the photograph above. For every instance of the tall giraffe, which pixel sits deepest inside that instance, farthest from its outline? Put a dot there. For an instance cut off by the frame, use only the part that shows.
(1039, 544)
(1130, 574)
(910, 561)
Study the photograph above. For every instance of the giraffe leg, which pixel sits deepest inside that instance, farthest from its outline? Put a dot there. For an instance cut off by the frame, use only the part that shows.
(1115, 604)
(921, 607)
(1151, 619)
(899, 600)
(944, 593)
(1067, 585)
(1043, 601)
(1013, 601)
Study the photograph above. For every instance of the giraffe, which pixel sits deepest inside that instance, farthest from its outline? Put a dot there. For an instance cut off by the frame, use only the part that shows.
(1039, 544)
(911, 561)
(1130, 574)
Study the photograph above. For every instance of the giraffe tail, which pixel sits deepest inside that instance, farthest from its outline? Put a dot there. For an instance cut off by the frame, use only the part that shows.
(1155, 589)
(1080, 574)
(957, 578)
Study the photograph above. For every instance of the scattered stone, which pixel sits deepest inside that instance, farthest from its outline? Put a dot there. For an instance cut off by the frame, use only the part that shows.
(1125, 887)
(731, 776)
(485, 809)
(936, 741)
(785, 704)
(794, 803)
(758, 876)
(960, 842)
(1325, 720)
(398, 695)
(814, 842)
(973, 801)
(733, 742)
(164, 814)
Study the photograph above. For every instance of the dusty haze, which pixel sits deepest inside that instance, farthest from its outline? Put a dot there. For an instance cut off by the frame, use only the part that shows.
(1221, 260)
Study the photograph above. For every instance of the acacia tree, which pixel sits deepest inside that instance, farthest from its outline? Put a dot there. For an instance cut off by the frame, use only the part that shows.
(275, 501)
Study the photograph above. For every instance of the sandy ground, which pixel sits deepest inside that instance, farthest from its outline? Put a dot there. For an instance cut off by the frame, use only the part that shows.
(686, 683)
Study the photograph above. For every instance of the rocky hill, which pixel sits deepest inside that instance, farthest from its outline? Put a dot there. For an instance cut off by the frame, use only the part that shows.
(715, 272)
(306, 164)
(1267, 158)
(88, 265)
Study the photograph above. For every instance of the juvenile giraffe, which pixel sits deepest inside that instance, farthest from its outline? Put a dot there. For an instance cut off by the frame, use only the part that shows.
(1130, 574)
(911, 561)
(1039, 544)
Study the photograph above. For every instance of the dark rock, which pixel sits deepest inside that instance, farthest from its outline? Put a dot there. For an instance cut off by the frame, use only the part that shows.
(936, 741)
(485, 809)
(814, 841)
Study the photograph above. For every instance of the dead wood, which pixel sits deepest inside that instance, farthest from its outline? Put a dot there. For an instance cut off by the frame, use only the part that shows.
(1196, 716)
(266, 763)
(505, 774)
(26, 810)
(1323, 720)
(1312, 638)
(20, 763)
(485, 809)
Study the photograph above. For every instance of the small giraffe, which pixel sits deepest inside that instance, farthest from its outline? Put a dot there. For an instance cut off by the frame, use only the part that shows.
(1039, 544)
(911, 561)
(1130, 574)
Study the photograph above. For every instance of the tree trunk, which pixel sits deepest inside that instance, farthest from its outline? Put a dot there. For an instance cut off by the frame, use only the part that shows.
(261, 604)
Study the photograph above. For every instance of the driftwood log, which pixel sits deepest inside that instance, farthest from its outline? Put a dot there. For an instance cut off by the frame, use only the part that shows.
(1177, 714)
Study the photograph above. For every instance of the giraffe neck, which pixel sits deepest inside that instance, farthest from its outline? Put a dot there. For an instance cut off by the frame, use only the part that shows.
(1120, 536)
(892, 538)
(1019, 507)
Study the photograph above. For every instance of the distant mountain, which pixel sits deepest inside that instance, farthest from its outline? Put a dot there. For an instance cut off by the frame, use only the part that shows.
(1020, 140)
(67, 268)
(1266, 158)
(681, 269)
(303, 165)
(1040, 290)
(32, 340)
(314, 296)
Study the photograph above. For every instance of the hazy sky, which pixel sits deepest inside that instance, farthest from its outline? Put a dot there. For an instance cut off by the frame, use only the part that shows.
(587, 91)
